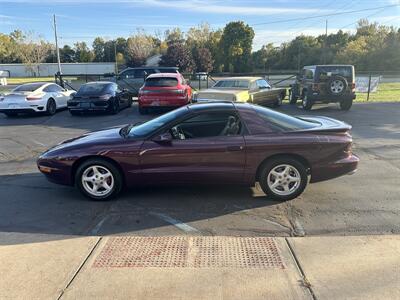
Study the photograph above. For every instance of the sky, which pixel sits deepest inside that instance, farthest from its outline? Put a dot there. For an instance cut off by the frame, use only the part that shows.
(272, 20)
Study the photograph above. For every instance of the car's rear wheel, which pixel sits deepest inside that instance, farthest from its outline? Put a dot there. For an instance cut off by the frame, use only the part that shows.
(292, 97)
(278, 101)
(51, 107)
(346, 104)
(283, 178)
(114, 107)
(306, 102)
(98, 179)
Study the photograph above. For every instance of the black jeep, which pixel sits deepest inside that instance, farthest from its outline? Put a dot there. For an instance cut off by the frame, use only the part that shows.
(324, 84)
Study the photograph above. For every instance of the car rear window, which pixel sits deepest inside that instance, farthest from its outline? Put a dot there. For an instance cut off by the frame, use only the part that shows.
(241, 84)
(328, 71)
(161, 82)
(283, 122)
(29, 87)
(93, 89)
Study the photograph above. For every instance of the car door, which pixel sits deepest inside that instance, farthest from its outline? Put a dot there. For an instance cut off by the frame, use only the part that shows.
(207, 153)
(266, 94)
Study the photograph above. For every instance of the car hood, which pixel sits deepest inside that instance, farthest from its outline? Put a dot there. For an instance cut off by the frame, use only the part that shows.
(106, 136)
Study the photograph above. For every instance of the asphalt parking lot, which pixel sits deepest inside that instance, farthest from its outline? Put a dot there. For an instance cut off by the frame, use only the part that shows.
(365, 203)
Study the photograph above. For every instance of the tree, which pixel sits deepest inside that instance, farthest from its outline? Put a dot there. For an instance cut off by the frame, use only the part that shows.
(139, 47)
(98, 49)
(178, 56)
(203, 60)
(236, 44)
(32, 50)
(82, 52)
(67, 54)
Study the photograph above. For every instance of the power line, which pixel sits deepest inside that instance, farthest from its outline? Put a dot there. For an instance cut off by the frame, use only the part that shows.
(326, 15)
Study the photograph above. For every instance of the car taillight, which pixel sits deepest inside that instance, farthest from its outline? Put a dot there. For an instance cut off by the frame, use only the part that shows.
(35, 97)
(315, 87)
(348, 149)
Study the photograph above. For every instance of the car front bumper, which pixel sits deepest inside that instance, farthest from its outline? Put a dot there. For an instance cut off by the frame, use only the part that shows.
(344, 166)
(55, 172)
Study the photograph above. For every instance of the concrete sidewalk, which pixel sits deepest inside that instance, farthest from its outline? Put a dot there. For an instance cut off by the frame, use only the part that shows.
(185, 267)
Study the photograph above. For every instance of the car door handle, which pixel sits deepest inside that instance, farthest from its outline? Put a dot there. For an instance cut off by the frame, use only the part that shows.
(234, 148)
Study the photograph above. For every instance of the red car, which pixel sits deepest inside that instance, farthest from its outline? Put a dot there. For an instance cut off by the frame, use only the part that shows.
(164, 90)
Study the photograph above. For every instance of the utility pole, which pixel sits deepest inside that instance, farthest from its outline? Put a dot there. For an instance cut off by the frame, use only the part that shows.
(325, 41)
(115, 57)
(57, 49)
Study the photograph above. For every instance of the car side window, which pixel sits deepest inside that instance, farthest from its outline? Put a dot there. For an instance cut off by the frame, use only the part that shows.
(129, 74)
(206, 125)
(309, 73)
(263, 84)
(52, 89)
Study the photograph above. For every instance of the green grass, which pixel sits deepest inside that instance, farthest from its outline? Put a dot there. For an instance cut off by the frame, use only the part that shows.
(387, 92)
(21, 80)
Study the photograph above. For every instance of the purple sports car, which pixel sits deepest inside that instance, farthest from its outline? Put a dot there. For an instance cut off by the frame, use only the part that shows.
(210, 143)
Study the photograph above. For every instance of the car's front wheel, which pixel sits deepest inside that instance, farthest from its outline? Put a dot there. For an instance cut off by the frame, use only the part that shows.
(98, 179)
(283, 178)
(346, 104)
(306, 102)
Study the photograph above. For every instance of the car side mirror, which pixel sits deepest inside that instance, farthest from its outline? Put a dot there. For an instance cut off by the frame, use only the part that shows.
(164, 138)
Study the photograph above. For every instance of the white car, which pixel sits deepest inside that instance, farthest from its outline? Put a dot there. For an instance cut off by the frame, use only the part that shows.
(35, 97)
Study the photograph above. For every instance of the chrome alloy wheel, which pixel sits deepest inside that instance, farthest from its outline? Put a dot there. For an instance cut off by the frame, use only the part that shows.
(284, 179)
(337, 86)
(97, 180)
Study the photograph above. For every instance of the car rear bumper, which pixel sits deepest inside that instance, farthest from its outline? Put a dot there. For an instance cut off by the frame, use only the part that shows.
(168, 102)
(317, 97)
(99, 105)
(344, 166)
(22, 107)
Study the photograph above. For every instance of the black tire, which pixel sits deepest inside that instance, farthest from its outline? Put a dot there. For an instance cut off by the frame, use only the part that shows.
(269, 165)
(306, 102)
(114, 107)
(51, 107)
(117, 177)
(292, 97)
(11, 114)
(346, 104)
(278, 101)
(333, 85)
(143, 111)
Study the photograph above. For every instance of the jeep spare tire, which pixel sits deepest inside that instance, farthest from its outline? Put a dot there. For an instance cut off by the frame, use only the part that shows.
(337, 86)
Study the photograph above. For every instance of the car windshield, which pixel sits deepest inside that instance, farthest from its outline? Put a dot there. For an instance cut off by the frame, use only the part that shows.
(237, 84)
(92, 88)
(282, 121)
(29, 87)
(161, 82)
(152, 125)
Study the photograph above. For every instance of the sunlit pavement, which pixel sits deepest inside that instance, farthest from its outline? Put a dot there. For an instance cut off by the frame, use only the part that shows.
(48, 229)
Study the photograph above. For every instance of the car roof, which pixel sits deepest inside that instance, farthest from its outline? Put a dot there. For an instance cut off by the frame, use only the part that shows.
(314, 66)
(250, 78)
(175, 75)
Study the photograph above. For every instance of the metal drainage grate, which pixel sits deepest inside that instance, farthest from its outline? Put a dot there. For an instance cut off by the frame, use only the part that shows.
(195, 252)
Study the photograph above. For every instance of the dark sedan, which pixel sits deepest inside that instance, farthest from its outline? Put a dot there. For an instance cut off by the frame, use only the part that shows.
(99, 96)
(209, 143)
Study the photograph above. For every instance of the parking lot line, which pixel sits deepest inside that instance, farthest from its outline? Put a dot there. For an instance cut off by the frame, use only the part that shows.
(179, 224)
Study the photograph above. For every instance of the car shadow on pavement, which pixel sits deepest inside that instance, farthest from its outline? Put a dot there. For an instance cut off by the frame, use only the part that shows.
(33, 210)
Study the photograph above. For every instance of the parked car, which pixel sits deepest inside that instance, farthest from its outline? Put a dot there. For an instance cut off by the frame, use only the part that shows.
(99, 96)
(255, 90)
(164, 90)
(324, 84)
(209, 143)
(133, 78)
(34, 98)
